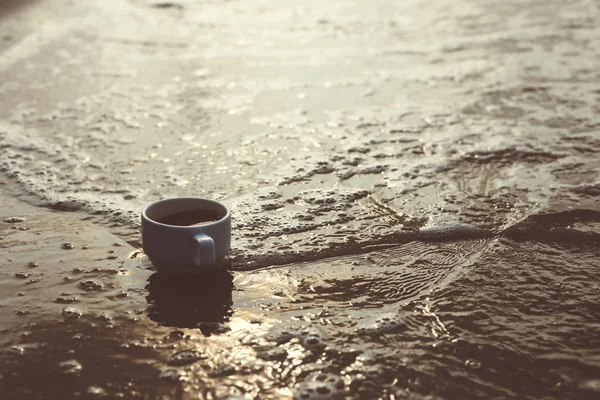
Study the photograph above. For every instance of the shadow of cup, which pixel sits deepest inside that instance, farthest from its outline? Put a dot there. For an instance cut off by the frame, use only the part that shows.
(185, 301)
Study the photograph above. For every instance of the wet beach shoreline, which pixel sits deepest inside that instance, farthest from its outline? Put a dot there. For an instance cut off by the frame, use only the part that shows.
(414, 186)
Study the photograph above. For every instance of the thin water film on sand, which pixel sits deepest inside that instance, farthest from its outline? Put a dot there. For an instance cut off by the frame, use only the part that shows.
(414, 188)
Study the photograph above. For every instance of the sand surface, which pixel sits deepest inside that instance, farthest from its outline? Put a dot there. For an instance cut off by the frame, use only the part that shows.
(414, 185)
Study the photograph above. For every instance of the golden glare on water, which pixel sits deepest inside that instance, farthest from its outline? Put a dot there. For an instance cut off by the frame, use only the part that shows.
(413, 186)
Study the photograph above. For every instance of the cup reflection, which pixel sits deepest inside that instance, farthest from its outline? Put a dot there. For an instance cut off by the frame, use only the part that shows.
(186, 301)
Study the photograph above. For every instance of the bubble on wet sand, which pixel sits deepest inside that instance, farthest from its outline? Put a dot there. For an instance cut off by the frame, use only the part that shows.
(185, 357)
(71, 312)
(89, 285)
(70, 367)
(312, 339)
(385, 323)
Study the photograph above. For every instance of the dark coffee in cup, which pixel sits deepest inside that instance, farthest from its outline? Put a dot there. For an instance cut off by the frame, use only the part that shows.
(191, 218)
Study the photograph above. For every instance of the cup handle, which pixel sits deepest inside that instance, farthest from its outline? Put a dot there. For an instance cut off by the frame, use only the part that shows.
(205, 253)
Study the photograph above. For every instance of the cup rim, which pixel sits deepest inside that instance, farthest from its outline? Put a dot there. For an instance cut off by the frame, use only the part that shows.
(227, 214)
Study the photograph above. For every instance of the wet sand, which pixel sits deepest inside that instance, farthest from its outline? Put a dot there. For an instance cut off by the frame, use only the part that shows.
(414, 188)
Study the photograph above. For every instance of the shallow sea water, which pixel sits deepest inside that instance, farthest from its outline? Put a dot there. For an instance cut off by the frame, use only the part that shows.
(414, 185)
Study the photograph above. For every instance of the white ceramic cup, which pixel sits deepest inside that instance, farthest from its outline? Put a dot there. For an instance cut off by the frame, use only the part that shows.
(185, 249)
